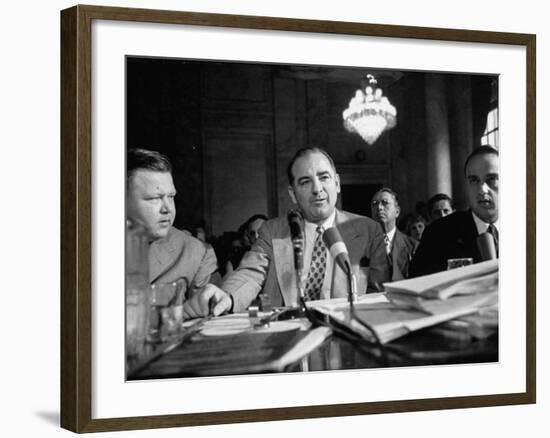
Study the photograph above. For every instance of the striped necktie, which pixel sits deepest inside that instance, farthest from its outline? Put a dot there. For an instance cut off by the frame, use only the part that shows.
(316, 274)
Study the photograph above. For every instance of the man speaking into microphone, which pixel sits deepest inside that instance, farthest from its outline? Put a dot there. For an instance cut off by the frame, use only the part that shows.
(269, 266)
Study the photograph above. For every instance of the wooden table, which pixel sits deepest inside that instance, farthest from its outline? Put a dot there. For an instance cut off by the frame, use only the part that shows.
(438, 345)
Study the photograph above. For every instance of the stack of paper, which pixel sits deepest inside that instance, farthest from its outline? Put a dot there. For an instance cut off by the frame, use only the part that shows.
(410, 305)
(473, 286)
(445, 283)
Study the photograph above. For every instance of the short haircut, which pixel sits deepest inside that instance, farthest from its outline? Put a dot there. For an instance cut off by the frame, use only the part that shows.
(480, 150)
(302, 153)
(415, 217)
(439, 197)
(255, 218)
(251, 219)
(148, 160)
(387, 190)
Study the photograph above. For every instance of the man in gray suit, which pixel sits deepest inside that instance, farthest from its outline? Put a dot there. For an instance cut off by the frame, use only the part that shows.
(173, 254)
(399, 247)
(268, 267)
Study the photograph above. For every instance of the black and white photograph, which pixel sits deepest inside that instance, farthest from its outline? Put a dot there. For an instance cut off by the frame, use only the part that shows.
(292, 218)
(266, 218)
(275, 219)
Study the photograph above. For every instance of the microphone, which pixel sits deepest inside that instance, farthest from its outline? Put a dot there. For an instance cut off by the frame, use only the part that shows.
(337, 248)
(486, 246)
(297, 236)
(339, 253)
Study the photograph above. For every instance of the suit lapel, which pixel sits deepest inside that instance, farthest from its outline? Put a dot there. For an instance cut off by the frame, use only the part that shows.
(161, 256)
(469, 235)
(346, 228)
(398, 252)
(283, 257)
(352, 239)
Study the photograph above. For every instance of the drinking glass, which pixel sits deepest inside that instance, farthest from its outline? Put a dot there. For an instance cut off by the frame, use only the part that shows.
(137, 290)
(137, 318)
(166, 314)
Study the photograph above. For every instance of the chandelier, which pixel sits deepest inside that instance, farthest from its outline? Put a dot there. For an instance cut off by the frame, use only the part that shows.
(369, 113)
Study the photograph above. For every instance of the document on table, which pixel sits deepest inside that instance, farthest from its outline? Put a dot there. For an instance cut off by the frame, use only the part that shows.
(406, 309)
(466, 280)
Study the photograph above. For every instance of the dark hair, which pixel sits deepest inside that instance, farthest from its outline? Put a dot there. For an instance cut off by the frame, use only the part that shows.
(303, 152)
(390, 191)
(144, 159)
(480, 150)
(251, 219)
(411, 219)
(439, 197)
(254, 218)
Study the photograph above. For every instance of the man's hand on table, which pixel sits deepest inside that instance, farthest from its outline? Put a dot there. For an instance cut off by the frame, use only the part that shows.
(209, 300)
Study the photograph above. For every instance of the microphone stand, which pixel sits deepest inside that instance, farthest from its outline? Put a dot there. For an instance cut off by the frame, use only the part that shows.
(301, 292)
(352, 291)
(299, 268)
(352, 297)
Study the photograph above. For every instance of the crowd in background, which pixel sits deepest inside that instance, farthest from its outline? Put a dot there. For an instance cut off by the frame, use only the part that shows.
(378, 250)
(231, 246)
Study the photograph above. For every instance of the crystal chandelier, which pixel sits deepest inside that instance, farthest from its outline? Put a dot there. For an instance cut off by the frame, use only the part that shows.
(369, 113)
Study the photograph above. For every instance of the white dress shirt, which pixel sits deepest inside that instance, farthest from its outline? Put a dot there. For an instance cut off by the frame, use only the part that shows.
(482, 225)
(391, 235)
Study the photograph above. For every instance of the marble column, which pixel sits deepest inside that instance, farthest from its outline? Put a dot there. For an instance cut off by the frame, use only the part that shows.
(461, 134)
(437, 134)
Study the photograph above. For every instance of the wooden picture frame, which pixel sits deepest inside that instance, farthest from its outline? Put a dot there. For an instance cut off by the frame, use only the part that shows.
(76, 217)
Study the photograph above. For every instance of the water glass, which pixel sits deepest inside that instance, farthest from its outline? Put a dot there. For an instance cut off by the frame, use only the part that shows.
(166, 300)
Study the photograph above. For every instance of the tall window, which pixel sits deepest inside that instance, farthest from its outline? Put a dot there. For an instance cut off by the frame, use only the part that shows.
(490, 136)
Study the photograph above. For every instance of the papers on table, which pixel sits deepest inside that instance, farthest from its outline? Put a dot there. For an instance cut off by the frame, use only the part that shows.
(466, 280)
(410, 305)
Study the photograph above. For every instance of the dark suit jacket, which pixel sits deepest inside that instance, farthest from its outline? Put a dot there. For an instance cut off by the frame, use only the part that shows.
(400, 256)
(269, 265)
(180, 256)
(453, 236)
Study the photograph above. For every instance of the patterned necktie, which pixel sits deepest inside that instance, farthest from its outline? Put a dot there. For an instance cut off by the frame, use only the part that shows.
(492, 230)
(316, 273)
(388, 243)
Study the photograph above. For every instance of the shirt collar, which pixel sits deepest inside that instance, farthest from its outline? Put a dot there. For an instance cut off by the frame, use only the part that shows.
(327, 223)
(391, 234)
(482, 225)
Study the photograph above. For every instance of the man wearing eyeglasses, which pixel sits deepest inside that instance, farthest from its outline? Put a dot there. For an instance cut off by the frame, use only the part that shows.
(456, 235)
(399, 247)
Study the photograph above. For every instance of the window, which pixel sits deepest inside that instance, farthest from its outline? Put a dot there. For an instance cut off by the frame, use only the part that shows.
(490, 136)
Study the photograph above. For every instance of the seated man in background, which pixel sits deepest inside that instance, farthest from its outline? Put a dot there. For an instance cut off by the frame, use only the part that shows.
(399, 247)
(173, 254)
(249, 232)
(456, 235)
(440, 205)
(268, 267)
